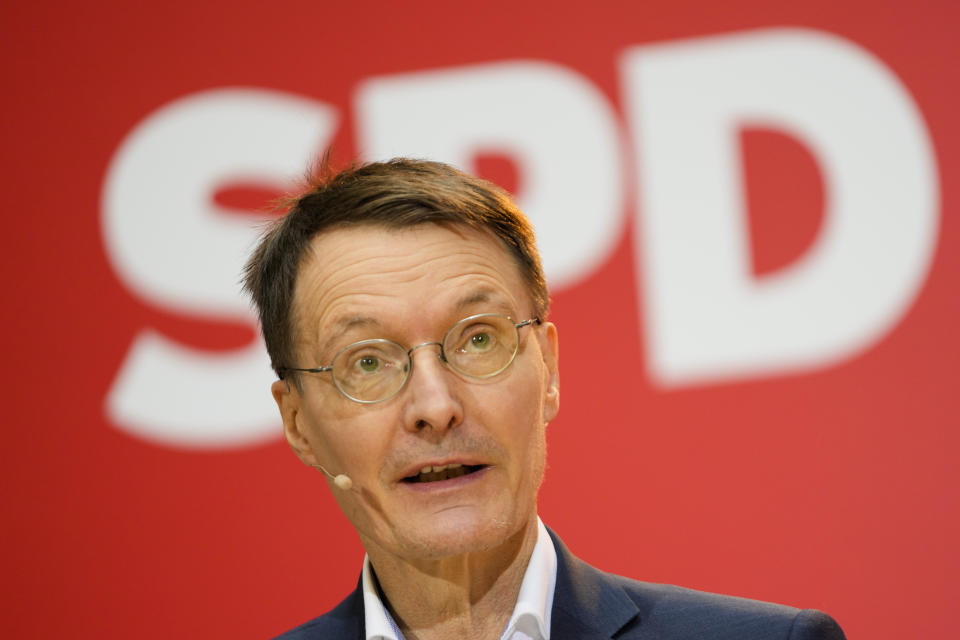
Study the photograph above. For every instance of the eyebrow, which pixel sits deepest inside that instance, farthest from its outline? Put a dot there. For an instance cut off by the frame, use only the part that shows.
(483, 296)
(474, 298)
(342, 326)
(346, 324)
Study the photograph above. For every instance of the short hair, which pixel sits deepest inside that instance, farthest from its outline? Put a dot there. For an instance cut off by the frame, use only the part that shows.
(395, 194)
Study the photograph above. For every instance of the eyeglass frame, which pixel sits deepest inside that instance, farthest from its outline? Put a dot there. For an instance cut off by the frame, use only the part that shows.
(441, 355)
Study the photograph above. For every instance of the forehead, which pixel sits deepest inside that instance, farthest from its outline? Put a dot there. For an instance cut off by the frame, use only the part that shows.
(403, 278)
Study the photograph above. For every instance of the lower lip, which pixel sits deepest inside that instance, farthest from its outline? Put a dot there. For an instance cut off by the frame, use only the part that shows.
(446, 485)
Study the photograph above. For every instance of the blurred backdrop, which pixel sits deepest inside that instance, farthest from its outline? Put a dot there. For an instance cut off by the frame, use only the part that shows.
(748, 215)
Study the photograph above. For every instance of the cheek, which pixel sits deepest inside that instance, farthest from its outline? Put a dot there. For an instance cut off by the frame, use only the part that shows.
(517, 410)
(534, 427)
(339, 436)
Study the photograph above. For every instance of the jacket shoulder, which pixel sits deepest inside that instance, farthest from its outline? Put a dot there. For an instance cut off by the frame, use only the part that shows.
(675, 612)
(589, 603)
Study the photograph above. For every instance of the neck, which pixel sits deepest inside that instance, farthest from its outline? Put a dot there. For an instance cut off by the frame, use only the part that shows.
(465, 596)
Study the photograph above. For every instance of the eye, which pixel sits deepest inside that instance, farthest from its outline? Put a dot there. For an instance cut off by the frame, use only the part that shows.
(364, 362)
(369, 364)
(370, 370)
(480, 342)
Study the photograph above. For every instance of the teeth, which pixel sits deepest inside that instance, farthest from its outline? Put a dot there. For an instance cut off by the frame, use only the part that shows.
(445, 471)
(441, 467)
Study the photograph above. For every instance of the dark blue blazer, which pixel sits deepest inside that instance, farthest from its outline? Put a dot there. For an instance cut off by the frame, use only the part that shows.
(589, 604)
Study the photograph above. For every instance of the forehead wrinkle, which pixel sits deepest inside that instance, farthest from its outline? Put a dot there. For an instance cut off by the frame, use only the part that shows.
(343, 281)
(480, 289)
(333, 321)
(420, 267)
(360, 288)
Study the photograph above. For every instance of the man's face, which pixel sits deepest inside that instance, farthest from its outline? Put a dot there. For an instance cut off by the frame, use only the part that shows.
(410, 286)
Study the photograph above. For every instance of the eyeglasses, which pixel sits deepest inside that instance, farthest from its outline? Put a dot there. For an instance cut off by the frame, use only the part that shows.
(369, 371)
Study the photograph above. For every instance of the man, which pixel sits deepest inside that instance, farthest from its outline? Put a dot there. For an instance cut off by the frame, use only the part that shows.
(404, 308)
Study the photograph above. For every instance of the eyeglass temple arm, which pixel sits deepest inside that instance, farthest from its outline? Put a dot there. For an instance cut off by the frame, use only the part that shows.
(280, 370)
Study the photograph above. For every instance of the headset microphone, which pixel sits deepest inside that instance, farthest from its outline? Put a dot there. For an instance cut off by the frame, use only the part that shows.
(342, 480)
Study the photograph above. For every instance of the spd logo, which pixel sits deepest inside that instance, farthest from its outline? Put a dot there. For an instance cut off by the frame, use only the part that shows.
(707, 317)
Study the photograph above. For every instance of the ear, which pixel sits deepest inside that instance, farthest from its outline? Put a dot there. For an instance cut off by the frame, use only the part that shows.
(550, 349)
(288, 401)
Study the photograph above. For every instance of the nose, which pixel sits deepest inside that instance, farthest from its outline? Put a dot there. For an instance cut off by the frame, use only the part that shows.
(433, 403)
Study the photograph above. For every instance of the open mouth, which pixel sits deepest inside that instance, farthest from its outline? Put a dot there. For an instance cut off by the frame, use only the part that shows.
(443, 472)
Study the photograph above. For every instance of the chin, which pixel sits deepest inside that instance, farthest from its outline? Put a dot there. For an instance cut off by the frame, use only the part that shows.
(455, 534)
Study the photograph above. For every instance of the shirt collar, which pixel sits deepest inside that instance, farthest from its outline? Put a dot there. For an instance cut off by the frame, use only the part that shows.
(377, 620)
(531, 614)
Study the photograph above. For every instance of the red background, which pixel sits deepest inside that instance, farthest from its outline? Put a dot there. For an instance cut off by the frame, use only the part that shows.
(836, 489)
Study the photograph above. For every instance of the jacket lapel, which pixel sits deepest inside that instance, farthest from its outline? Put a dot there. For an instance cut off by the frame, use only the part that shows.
(587, 603)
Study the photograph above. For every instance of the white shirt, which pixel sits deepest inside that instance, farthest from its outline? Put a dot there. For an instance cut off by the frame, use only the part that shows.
(530, 619)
